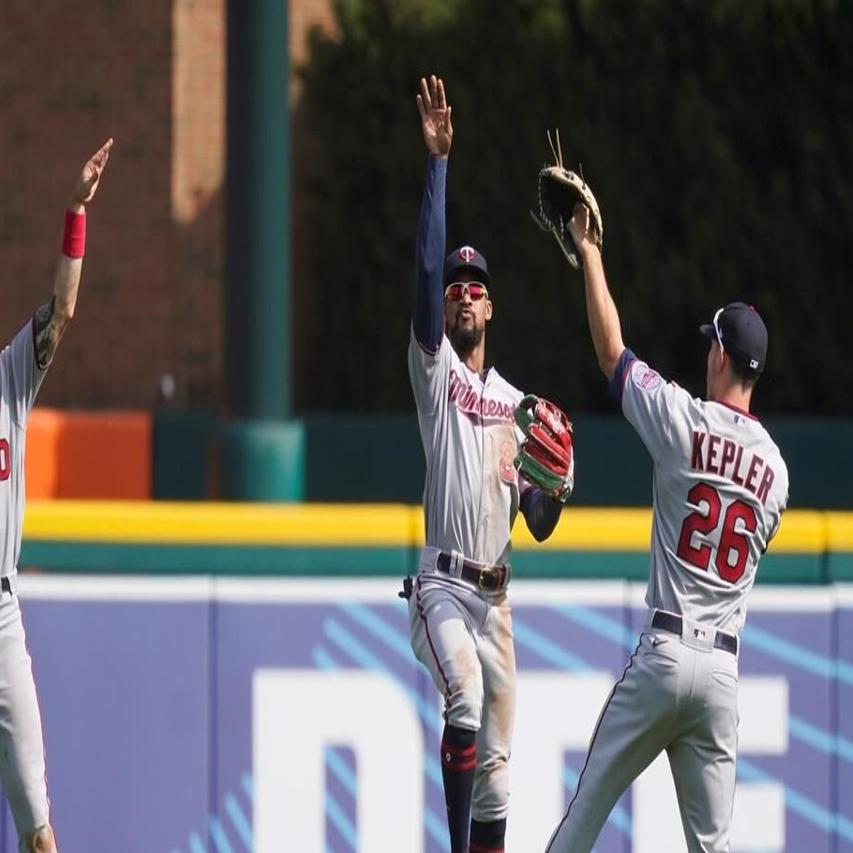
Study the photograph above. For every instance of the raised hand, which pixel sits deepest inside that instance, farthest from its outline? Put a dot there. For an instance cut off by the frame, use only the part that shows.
(435, 116)
(87, 182)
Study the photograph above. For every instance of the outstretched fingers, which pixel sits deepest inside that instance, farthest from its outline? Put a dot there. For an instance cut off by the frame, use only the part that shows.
(424, 95)
(90, 175)
(99, 159)
(435, 115)
(97, 163)
(432, 95)
(442, 100)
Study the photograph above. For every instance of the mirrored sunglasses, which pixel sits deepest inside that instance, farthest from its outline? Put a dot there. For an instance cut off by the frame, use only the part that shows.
(475, 289)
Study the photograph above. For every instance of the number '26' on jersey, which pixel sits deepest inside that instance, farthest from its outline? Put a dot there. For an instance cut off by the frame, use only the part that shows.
(720, 488)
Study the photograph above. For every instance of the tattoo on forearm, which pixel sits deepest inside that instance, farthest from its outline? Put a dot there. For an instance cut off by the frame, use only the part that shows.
(47, 333)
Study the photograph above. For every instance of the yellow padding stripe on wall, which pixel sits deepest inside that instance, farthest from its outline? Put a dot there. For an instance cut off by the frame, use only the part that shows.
(839, 531)
(221, 523)
(802, 531)
(591, 529)
(597, 529)
(376, 525)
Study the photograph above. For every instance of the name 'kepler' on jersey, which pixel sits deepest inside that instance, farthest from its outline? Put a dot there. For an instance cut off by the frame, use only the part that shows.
(715, 454)
(719, 491)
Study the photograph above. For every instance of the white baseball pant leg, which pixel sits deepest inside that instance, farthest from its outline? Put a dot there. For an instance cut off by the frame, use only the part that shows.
(22, 767)
(465, 641)
(668, 697)
(496, 652)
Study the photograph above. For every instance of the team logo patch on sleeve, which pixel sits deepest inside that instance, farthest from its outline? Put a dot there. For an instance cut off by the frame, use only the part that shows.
(645, 378)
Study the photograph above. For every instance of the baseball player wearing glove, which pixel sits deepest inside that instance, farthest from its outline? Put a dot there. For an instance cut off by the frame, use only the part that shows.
(477, 479)
(545, 458)
(558, 191)
(719, 489)
(23, 364)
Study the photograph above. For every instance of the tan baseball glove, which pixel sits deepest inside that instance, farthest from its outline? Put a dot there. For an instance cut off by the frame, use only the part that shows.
(559, 191)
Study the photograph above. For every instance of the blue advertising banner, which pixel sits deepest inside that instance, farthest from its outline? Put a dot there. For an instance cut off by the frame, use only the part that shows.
(198, 715)
(843, 796)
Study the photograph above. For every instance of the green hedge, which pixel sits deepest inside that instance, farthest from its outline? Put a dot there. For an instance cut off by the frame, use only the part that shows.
(718, 136)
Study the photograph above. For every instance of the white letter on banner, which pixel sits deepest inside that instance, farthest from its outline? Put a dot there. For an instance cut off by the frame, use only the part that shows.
(758, 822)
(295, 715)
(555, 712)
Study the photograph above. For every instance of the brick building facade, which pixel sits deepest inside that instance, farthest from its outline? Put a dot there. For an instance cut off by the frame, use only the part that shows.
(153, 76)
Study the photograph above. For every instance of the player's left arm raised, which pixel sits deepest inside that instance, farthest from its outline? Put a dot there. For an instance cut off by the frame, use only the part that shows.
(604, 325)
(51, 320)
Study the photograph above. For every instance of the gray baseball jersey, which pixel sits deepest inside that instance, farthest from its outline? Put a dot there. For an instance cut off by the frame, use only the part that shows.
(20, 379)
(22, 768)
(471, 493)
(720, 487)
(462, 635)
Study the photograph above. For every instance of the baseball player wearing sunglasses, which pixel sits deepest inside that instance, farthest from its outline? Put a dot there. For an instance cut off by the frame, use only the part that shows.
(457, 291)
(459, 613)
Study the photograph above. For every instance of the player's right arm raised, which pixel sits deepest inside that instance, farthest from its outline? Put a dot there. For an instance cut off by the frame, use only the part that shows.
(428, 317)
(50, 321)
(604, 325)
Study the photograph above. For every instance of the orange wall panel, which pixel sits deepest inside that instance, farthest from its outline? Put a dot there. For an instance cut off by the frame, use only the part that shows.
(89, 454)
(41, 466)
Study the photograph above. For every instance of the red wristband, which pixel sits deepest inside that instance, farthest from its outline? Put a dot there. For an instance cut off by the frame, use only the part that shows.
(74, 235)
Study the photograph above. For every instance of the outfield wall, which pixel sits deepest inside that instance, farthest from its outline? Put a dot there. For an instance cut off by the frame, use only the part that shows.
(359, 457)
(180, 455)
(376, 539)
(190, 714)
(217, 708)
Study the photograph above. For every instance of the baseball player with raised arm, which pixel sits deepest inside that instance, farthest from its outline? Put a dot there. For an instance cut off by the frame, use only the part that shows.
(720, 487)
(23, 364)
(459, 613)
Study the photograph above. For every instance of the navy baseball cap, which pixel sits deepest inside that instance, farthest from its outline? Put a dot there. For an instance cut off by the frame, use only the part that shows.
(739, 329)
(465, 258)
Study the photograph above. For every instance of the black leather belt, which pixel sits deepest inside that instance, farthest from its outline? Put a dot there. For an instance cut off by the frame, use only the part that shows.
(670, 622)
(6, 585)
(488, 578)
